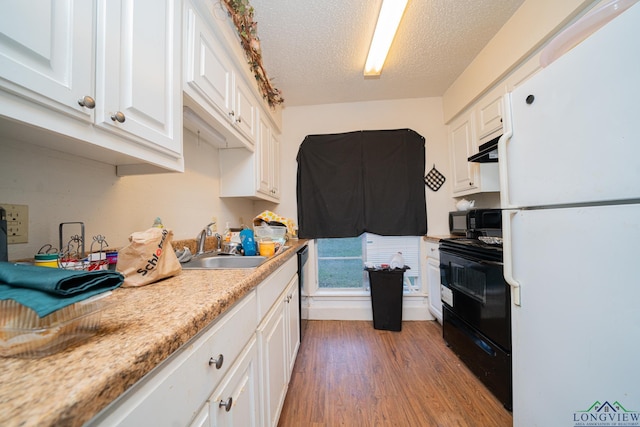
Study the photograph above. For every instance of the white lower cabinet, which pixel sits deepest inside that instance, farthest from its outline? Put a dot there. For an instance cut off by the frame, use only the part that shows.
(272, 335)
(236, 401)
(433, 280)
(233, 373)
(292, 317)
(279, 338)
(174, 391)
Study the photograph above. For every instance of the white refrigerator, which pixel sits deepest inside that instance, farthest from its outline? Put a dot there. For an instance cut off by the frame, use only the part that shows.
(570, 189)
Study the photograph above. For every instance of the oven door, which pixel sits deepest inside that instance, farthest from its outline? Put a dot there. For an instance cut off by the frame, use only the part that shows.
(476, 292)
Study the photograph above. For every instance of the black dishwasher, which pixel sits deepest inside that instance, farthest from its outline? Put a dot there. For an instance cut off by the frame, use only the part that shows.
(303, 257)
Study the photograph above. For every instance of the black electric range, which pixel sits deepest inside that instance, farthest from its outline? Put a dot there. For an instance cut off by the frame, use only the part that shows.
(476, 309)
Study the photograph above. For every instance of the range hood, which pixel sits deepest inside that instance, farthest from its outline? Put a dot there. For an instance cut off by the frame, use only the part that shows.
(488, 152)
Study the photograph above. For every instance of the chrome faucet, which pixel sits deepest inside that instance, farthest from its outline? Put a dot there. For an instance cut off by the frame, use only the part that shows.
(202, 237)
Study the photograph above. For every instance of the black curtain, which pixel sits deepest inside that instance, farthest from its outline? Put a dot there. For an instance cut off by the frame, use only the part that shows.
(364, 181)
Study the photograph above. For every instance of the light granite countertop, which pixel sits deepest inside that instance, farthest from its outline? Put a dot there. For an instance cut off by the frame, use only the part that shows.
(139, 329)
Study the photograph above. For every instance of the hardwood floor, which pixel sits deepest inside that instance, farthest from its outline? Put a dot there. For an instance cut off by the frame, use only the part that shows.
(350, 374)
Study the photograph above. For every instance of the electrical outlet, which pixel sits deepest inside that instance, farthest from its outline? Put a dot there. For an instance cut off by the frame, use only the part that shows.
(17, 223)
(214, 227)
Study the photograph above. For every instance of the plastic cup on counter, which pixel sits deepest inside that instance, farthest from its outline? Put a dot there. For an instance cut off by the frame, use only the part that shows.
(267, 248)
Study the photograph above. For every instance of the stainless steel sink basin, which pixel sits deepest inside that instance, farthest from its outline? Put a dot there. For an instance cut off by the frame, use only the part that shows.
(217, 262)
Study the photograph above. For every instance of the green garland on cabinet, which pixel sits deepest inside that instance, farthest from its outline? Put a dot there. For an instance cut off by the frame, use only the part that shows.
(241, 13)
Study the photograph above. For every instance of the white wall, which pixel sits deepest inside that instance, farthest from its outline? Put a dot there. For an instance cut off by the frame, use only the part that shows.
(527, 30)
(60, 188)
(423, 115)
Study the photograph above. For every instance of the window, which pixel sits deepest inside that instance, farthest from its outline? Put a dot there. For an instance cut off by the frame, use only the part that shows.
(341, 260)
(340, 263)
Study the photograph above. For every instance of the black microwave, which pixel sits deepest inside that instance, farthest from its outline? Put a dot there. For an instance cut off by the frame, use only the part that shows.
(468, 223)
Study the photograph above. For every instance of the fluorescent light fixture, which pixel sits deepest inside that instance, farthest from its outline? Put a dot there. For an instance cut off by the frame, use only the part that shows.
(390, 15)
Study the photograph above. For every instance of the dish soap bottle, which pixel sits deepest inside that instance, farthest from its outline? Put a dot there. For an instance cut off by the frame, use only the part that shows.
(226, 236)
(157, 223)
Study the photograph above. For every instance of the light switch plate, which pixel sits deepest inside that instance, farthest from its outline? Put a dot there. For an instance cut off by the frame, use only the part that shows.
(17, 223)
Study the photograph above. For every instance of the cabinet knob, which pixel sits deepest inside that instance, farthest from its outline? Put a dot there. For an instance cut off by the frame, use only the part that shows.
(239, 120)
(226, 405)
(217, 362)
(118, 117)
(232, 113)
(470, 184)
(87, 102)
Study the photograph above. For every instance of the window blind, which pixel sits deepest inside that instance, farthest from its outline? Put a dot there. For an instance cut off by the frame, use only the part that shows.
(380, 249)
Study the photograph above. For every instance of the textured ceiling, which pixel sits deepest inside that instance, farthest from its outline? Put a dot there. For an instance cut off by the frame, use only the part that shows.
(314, 50)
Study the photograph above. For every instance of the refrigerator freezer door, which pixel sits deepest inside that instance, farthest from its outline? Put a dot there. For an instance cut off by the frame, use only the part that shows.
(575, 334)
(575, 132)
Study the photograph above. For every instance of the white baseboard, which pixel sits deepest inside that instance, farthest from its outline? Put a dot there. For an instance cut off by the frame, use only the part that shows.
(336, 307)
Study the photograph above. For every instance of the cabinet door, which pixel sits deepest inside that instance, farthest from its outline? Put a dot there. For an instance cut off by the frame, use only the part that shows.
(273, 355)
(245, 110)
(523, 73)
(292, 316)
(268, 152)
(203, 419)
(46, 53)
(275, 166)
(461, 144)
(489, 115)
(138, 71)
(433, 280)
(208, 69)
(263, 153)
(236, 402)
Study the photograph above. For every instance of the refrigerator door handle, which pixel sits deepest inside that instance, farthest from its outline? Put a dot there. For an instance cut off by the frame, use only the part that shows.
(502, 152)
(507, 215)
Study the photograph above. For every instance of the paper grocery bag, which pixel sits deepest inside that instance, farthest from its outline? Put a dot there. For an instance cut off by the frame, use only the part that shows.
(148, 257)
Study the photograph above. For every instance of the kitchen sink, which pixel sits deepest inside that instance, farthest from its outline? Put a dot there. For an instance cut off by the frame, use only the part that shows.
(217, 262)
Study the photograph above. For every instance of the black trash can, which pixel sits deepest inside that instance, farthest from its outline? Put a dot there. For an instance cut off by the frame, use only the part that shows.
(386, 297)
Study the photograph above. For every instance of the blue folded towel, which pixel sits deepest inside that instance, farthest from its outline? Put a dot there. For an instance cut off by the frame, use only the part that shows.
(46, 290)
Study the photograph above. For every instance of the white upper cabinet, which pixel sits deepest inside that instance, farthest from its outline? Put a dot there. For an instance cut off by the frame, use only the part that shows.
(112, 64)
(252, 174)
(214, 89)
(523, 73)
(268, 153)
(245, 111)
(223, 105)
(138, 71)
(208, 71)
(489, 115)
(469, 178)
(461, 146)
(45, 51)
